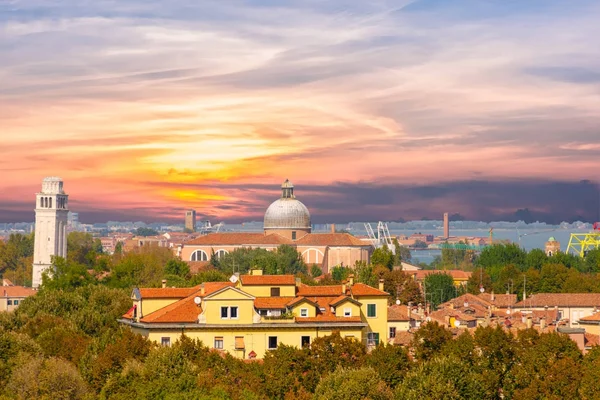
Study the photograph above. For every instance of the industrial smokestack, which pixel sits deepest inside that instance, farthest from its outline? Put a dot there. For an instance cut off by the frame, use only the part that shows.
(446, 226)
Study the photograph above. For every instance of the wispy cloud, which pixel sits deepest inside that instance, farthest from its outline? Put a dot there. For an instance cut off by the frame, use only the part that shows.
(108, 94)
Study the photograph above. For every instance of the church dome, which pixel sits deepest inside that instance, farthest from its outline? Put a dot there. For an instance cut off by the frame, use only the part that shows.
(287, 212)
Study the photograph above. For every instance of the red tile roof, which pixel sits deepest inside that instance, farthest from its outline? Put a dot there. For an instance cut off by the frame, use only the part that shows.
(561, 300)
(591, 318)
(16, 291)
(454, 273)
(328, 318)
(341, 299)
(272, 302)
(398, 313)
(330, 239)
(279, 280)
(402, 338)
(298, 300)
(591, 339)
(238, 239)
(499, 300)
(358, 289)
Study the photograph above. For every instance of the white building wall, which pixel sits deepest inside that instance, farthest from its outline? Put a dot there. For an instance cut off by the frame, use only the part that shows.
(51, 214)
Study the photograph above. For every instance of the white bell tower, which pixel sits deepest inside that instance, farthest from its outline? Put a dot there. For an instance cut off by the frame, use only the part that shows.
(51, 211)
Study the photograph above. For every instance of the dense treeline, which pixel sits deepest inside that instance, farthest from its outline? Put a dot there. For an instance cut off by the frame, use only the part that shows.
(67, 345)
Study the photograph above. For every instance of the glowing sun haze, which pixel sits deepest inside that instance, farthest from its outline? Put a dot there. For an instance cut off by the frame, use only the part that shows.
(374, 109)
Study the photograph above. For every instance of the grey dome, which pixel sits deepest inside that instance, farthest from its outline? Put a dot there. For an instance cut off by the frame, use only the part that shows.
(287, 212)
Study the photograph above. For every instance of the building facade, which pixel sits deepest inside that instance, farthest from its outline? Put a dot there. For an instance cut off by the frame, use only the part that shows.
(11, 296)
(51, 215)
(287, 221)
(190, 220)
(256, 313)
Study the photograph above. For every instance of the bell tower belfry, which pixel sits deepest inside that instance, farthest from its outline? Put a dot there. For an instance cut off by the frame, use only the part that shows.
(51, 212)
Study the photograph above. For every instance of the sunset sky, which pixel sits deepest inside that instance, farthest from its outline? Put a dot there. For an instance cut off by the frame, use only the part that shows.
(373, 109)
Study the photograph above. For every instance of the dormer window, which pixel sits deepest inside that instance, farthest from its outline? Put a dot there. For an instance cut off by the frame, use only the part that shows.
(304, 312)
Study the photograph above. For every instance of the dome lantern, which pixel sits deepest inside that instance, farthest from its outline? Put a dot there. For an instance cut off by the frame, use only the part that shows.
(287, 213)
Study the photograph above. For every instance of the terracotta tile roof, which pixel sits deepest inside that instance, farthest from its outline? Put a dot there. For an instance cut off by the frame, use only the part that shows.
(16, 291)
(537, 315)
(331, 239)
(454, 273)
(280, 280)
(300, 299)
(272, 302)
(398, 313)
(184, 310)
(329, 290)
(561, 300)
(358, 289)
(238, 239)
(402, 338)
(500, 300)
(342, 298)
(591, 339)
(466, 300)
(440, 315)
(167, 293)
(591, 318)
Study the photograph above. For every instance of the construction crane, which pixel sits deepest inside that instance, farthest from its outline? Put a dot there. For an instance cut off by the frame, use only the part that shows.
(581, 243)
(382, 237)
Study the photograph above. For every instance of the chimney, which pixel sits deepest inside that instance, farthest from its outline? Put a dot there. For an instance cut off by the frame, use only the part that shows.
(493, 295)
(351, 280)
(409, 309)
(452, 305)
(420, 309)
(164, 283)
(381, 285)
(344, 288)
(202, 290)
(529, 322)
(332, 228)
(466, 304)
(298, 282)
(542, 323)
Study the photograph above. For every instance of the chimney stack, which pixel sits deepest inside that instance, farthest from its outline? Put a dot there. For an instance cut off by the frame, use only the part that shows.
(529, 322)
(542, 323)
(164, 283)
(493, 296)
(202, 290)
(351, 280)
(409, 310)
(332, 228)
(344, 288)
(381, 285)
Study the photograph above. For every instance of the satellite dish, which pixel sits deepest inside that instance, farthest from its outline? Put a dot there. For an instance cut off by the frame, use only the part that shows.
(508, 311)
(234, 278)
(456, 323)
(197, 300)
(428, 319)
(398, 302)
(482, 289)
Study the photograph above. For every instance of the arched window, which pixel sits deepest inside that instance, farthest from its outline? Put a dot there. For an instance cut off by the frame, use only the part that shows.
(221, 253)
(199, 255)
(41, 202)
(50, 202)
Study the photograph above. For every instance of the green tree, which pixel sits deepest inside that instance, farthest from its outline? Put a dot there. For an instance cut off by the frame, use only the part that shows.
(535, 259)
(502, 254)
(429, 339)
(339, 273)
(145, 232)
(401, 286)
(383, 256)
(66, 275)
(590, 375)
(315, 271)
(439, 288)
(390, 362)
(592, 261)
(477, 280)
(177, 267)
(402, 253)
(345, 384)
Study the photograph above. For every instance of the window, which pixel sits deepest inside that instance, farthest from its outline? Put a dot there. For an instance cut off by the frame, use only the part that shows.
(9, 302)
(199, 255)
(165, 341)
(372, 339)
(219, 342)
(50, 202)
(220, 253)
(16, 302)
(41, 202)
(239, 343)
(371, 310)
(392, 332)
(347, 312)
(229, 312)
(304, 312)
(304, 341)
(275, 292)
(293, 235)
(272, 342)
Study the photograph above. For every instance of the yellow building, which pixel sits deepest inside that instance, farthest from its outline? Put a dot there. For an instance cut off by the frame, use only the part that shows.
(256, 313)
(11, 296)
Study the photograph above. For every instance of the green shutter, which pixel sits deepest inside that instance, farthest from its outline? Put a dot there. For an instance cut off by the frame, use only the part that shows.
(371, 310)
